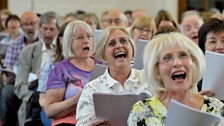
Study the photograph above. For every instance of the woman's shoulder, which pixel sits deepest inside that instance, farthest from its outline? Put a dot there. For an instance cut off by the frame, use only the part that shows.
(63, 63)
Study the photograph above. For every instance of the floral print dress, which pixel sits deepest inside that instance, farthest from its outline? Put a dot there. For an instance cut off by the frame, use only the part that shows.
(151, 112)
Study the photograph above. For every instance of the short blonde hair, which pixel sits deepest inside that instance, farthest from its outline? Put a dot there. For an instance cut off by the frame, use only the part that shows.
(67, 41)
(100, 50)
(144, 21)
(151, 58)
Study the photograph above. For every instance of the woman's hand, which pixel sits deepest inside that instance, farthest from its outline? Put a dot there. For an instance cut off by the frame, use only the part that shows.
(208, 93)
(100, 122)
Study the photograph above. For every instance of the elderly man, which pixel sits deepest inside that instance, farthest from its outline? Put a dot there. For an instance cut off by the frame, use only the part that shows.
(190, 24)
(10, 102)
(29, 25)
(30, 60)
(116, 18)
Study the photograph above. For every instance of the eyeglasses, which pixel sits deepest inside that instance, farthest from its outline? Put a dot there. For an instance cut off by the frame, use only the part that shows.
(83, 37)
(169, 58)
(189, 28)
(121, 40)
(143, 30)
(116, 21)
(26, 24)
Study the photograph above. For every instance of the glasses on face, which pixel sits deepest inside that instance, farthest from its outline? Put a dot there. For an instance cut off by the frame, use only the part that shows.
(141, 30)
(122, 40)
(26, 24)
(190, 28)
(169, 58)
(83, 37)
(116, 21)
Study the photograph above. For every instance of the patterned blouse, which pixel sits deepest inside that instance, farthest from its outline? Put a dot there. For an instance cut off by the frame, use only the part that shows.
(151, 112)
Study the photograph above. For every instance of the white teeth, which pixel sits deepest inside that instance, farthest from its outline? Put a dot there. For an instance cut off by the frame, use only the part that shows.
(119, 53)
(177, 73)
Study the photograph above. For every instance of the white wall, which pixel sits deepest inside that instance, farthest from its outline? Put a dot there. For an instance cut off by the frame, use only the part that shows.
(98, 6)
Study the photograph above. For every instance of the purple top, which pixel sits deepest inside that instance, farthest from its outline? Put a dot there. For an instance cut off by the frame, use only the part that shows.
(65, 74)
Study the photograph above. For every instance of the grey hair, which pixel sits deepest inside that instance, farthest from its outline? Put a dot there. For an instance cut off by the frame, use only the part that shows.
(49, 16)
(123, 18)
(68, 51)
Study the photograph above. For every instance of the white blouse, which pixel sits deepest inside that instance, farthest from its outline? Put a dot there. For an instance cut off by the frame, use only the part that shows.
(85, 113)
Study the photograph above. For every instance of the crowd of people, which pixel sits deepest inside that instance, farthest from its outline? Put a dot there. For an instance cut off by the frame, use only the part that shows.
(49, 59)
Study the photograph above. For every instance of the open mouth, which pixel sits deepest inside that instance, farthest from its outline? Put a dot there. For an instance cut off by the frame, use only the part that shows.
(179, 76)
(48, 39)
(120, 54)
(195, 37)
(144, 38)
(30, 32)
(86, 49)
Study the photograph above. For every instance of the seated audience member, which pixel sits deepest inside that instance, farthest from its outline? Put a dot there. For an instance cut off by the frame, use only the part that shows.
(45, 71)
(116, 48)
(173, 68)
(29, 27)
(30, 59)
(128, 14)
(103, 21)
(190, 23)
(164, 18)
(92, 20)
(12, 25)
(3, 16)
(166, 29)
(211, 38)
(70, 17)
(8, 108)
(69, 76)
(10, 102)
(116, 18)
(137, 13)
(143, 28)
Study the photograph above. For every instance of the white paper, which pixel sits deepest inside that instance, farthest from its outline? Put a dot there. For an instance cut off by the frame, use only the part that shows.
(138, 59)
(32, 77)
(116, 107)
(97, 35)
(213, 78)
(182, 115)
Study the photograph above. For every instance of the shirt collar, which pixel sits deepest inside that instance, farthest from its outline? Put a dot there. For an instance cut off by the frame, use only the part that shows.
(44, 48)
(133, 78)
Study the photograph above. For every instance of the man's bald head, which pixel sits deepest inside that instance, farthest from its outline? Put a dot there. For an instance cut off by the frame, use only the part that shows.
(29, 22)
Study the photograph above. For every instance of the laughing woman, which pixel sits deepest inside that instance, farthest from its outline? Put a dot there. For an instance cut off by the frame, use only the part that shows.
(173, 68)
(116, 49)
(70, 75)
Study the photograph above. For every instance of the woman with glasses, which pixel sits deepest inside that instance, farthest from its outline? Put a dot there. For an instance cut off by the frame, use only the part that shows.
(143, 28)
(173, 68)
(69, 76)
(116, 48)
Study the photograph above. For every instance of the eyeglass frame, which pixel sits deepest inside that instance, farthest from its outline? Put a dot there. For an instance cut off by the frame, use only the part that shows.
(83, 37)
(141, 30)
